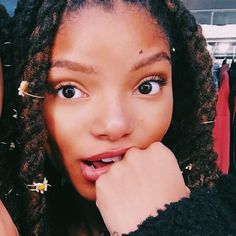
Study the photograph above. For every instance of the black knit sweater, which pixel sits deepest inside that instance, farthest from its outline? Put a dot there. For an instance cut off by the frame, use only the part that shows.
(206, 212)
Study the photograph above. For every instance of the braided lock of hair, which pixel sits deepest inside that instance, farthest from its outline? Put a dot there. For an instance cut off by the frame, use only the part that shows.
(198, 92)
(194, 98)
(8, 145)
(35, 48)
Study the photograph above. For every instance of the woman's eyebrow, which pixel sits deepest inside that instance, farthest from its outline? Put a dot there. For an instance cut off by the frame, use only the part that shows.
(74, 66)
(150, 60)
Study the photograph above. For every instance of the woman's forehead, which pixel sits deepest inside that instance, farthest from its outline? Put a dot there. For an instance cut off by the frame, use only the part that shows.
(121, 15)
(113, 31)
(120, 10)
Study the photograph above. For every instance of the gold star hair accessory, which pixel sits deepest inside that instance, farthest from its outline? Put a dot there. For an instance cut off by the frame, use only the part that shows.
(22, 90)
(15, 114)
(12, 146)
(189, 167)
(39, 187)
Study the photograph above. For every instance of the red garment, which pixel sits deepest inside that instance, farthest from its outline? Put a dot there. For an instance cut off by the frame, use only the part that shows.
(221, 131)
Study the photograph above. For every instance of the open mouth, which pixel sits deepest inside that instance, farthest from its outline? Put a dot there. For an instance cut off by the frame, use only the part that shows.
(103, 162)
(99, 164)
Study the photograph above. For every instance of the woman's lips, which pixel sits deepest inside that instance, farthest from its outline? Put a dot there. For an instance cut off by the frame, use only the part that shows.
(90, 173)
(98, 164)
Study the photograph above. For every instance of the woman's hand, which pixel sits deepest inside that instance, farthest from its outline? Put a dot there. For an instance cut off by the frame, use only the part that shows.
(136, 187)
(7, 227)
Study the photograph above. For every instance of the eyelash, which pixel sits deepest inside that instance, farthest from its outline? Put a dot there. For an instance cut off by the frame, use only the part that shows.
(55, 90)
(63, 85)
(158, 80)
(161, 82)
(154, 78)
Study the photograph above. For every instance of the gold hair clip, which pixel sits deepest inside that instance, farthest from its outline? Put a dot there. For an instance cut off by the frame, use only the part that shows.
(207, 122)
(39, 187)
(3, 143)
(7, 42)
(8, 193)
(22, 90)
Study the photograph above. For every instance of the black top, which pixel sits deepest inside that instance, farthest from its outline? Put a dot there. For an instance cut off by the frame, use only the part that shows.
(205, 213)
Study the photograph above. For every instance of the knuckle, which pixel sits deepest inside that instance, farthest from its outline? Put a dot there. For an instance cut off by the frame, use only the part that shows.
(99, 184)
(157, 145)
(132, 151)
(160, 147)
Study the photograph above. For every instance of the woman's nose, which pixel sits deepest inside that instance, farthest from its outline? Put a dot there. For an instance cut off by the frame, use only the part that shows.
(112, 120)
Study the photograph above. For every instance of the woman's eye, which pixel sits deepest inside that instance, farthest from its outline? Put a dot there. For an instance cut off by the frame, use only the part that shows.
(149, 87)
(70, 91)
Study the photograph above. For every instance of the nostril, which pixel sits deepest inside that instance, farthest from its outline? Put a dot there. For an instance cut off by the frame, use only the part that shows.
(113, 125)
(111, 134)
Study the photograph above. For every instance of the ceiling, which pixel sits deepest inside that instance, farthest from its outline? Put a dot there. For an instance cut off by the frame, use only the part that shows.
(209, 4)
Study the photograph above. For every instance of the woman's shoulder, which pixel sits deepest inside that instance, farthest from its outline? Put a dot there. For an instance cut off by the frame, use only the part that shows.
(206, 212)
(7, 227)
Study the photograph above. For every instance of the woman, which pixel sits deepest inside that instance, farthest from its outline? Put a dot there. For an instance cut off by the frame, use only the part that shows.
(103, 84)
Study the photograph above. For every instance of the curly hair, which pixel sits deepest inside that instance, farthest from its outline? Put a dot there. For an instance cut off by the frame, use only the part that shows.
(8, 144)
(190, 134)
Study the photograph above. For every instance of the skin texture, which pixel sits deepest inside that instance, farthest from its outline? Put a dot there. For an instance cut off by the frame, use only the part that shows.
(109, 113)
(131, 186)
(7, 227)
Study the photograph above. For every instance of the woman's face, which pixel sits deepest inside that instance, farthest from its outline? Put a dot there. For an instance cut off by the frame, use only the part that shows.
(1, 87)
(111, 90)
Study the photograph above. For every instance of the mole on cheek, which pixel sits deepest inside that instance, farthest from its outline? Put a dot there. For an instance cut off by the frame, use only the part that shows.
(141, 51)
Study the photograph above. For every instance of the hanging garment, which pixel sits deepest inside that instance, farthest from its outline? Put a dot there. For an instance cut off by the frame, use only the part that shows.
(221, 131)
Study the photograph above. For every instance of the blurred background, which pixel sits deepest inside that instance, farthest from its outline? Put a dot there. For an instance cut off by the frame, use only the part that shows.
(10, 5)
(218, 20)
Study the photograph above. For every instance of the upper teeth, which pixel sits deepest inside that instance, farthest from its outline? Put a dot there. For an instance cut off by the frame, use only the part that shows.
(113, 159)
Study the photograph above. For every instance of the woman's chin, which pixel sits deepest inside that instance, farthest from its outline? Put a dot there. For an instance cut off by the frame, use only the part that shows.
(88, 194)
